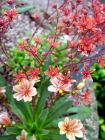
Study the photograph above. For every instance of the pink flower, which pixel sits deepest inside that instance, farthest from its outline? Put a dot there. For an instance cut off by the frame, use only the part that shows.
(57, 85)
(2, 90)
(25, 90)
(61, 83)
(72, 128)
(23, 135)
(4, 118)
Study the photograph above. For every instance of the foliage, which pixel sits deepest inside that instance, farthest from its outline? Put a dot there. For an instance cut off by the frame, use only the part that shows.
(99, 86)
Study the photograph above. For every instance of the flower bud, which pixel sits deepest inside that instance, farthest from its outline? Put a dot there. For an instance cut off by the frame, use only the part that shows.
(4, 118)
(10, 2)
(80, 85)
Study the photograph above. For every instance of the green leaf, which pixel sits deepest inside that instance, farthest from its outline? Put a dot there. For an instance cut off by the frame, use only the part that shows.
(42, 118)
(25, 8)
(13, 130)
(59, 108)
(23, 109)
(43, 91)
(8, 137)
(21, 9)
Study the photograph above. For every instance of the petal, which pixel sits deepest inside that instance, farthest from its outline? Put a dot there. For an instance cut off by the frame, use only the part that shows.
(70, 136)
(16, 88)
(79, 126)
(33, 92)
(79, 133)
(18, 96)
(62, 132)
(24, 133)
(61, 125)
(67, 120)
(25, 84)
(27, 98)
(51, 88)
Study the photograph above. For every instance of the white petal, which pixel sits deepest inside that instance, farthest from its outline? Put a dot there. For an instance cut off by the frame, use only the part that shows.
(79, 133)
(24, 133)
(70, 136)
(67, 120)
(18, 96)
(60, 124)
(51, 88)
(62, 132)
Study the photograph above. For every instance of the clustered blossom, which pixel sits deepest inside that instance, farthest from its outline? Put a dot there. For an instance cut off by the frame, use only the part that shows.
(60, 82)
(25, 90)
(85, 98)
(72, 128)
(6, 19)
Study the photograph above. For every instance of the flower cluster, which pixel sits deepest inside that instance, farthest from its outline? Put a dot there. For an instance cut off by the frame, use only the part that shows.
(6, 19)
(60, 83)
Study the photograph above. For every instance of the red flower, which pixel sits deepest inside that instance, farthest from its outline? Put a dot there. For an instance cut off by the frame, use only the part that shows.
(23, 45)
(52, 72)
(37, 40)
(34, 72)
(86, 73)
(10, 2)
(66, 78)
(86, 97)
(33, 51)
(52, 43)
(19, 76)
(10, 14)
(101, 61)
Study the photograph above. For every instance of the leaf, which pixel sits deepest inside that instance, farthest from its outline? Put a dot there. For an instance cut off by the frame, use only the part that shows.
(23, 109)
(54, 135)
(43, 91)
(8, 137)
(25, 8)
(21, 9)
(59, 108)
(42, 118)
(13, 130)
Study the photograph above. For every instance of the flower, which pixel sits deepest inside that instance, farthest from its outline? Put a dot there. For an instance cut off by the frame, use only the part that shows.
(52, 72)
(53, 43)
(33, 138)
(72, 128)
(86, 73)
(10, 14)
(87, 98)
(19, 76)
(2, 90)
(25, 90)
(80, 85)
(101, 61)
(4, 118)
(59, 85)
(23, 135)
(34, 72)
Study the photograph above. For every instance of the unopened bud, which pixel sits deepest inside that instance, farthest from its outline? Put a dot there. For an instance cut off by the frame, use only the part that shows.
(10, 2)
(80, 85)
